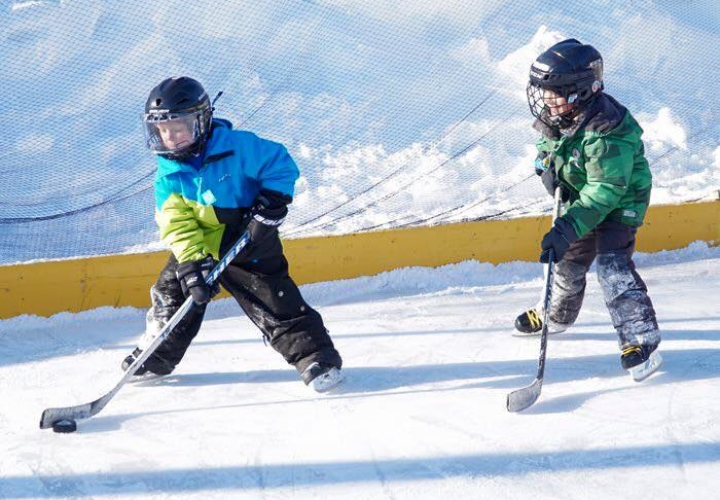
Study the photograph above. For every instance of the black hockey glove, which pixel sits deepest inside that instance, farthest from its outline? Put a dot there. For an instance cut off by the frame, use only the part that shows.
(545, 168)
(559, 239)
(267, 213)
(192, 280)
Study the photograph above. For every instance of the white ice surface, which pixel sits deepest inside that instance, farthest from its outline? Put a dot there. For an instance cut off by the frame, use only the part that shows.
(429, 361)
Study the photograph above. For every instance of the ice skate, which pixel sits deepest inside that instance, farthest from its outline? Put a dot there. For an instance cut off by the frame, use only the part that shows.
(322, 377)
(641, 361)
(529, 324)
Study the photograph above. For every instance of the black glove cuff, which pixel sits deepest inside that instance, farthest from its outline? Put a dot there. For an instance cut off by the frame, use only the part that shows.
(549, 180)
(271, 216)
(195, 266)
(192, 275)
(270, 207)
(566, 230)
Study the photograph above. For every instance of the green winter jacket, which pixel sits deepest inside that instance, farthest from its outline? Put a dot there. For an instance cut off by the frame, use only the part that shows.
(602, 164)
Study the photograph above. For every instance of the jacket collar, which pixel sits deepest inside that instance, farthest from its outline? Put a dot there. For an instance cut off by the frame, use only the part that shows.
(603, 114)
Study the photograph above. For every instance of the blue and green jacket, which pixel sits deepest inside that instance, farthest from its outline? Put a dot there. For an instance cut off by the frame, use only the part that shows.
(198, 207)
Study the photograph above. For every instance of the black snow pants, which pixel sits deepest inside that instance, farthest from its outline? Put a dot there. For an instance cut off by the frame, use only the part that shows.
(260, 283)
(631, 310)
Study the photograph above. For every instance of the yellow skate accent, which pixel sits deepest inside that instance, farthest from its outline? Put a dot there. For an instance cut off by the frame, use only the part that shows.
(630, 349)
(534, 318)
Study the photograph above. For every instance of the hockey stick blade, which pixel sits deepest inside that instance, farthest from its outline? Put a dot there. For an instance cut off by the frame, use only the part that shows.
(87, 410)
(524, 398)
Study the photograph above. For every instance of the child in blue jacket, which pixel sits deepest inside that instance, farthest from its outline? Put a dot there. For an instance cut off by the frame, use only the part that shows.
(212, 184)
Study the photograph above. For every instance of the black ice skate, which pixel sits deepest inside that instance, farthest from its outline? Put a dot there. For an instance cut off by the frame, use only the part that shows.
(322, 377)
(529, 324)
(641, 360)
(153, 365)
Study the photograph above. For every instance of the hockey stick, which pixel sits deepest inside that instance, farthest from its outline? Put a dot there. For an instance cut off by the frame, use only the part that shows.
(524, 398)
(87, 410)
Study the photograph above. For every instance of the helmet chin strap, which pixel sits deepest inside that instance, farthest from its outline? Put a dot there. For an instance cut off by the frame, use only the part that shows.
(569, 119)
(565, 120)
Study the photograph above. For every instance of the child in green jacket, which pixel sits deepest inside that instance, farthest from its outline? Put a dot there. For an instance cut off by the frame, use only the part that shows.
(591, 148)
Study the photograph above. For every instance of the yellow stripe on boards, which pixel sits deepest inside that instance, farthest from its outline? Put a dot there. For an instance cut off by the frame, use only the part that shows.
(74, 285)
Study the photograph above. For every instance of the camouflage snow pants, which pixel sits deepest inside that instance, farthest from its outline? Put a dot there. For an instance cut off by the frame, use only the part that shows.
(626, 297)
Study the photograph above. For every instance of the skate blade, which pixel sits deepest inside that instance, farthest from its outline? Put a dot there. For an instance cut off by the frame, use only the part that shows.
(327, 381)
(532, 335)
(145, 377)
(644, 370)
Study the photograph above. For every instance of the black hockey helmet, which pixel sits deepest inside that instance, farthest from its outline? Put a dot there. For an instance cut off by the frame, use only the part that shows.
(570, 70)
(177, 118)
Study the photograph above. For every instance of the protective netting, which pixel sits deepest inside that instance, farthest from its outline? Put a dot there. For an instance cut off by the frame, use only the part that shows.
(398, 113)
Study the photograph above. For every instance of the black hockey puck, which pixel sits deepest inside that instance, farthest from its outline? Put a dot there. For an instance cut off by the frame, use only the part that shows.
(65, 426)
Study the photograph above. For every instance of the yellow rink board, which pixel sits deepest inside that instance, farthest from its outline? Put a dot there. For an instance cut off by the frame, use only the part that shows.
(74, 285)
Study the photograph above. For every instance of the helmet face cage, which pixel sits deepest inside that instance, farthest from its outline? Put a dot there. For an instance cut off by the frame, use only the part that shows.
(537, 97)
(577, 89)
(176, 135)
